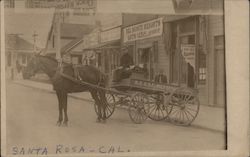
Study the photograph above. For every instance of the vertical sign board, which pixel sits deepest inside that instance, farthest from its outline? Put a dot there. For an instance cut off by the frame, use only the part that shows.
(188, 53)
(144, 30)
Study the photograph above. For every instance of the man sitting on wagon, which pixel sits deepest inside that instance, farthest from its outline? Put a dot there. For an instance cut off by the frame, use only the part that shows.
(126, 64)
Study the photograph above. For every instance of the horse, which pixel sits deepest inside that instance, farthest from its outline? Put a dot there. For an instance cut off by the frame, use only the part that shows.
(63, 86)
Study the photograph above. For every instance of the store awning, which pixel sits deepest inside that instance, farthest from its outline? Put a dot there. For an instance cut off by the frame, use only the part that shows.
(109, 45)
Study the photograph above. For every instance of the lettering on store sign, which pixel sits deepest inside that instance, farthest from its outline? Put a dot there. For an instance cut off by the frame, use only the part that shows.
(146, 84)
(144, 30)
(188, 52)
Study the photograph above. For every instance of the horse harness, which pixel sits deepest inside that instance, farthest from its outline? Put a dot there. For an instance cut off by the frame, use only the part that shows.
(76, 75)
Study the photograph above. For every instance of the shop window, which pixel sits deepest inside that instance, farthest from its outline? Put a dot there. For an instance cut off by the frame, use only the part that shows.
(201, 67)
(174, 66)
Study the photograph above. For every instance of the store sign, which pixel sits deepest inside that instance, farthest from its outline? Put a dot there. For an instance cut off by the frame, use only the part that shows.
(144, 30)
(110, 35)
(188, 52)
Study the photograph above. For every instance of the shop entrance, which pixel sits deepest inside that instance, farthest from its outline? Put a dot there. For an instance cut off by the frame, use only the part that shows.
(187, 76)
(146, 59)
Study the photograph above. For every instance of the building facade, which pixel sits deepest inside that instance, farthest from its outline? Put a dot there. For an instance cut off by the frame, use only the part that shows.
(108, 51)
(188, 49)
(18, 52)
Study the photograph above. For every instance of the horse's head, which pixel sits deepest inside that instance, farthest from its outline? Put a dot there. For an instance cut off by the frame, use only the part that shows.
(32, 67)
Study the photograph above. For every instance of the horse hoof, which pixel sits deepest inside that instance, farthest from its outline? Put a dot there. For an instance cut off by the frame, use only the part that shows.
(98, 120)
(58, 123)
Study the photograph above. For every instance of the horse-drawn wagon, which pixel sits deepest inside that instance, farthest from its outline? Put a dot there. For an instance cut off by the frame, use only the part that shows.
(147, 99)
(143, 99)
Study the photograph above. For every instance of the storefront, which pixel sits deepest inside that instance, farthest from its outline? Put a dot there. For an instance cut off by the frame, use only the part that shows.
(191, 42)
(185, 43)
(182, 44)
(145, 42)
(188, 49)
(109, 50)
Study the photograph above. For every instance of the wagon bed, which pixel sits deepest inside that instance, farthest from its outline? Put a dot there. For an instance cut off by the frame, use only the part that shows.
(147, 99)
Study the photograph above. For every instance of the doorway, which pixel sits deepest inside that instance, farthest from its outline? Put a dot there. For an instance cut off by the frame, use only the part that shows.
(187, 76)
(146, 59)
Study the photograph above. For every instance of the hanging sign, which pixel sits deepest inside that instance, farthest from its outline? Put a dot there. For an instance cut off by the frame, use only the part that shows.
(143, 30)
(188, 52)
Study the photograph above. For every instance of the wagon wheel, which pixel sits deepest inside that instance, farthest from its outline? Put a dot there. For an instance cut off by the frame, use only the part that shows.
(138, 108)
(185, 106)
(158, 109)
(110, 108)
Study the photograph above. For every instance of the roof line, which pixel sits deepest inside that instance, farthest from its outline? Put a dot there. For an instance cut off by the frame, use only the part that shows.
(68, 49)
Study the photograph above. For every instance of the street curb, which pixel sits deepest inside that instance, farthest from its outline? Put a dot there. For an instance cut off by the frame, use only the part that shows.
(119, 106)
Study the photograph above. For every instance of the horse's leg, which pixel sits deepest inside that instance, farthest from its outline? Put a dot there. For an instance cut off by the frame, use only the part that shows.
(95, 97)
(59, 97)
(65, 106)
(103, 105)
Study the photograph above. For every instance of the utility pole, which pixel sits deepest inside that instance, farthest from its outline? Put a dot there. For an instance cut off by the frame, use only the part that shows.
(12, 39)
(34, 39)
(58, 35)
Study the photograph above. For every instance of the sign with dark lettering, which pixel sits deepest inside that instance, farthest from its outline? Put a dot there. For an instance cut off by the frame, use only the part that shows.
(188, 52)
(143, 30)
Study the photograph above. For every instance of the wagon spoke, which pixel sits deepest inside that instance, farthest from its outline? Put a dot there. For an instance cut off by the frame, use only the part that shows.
(190, 114)
(186, 115)
(191, 109)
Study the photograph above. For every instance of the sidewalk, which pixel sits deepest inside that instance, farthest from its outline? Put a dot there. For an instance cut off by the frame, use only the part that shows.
(211, 118)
